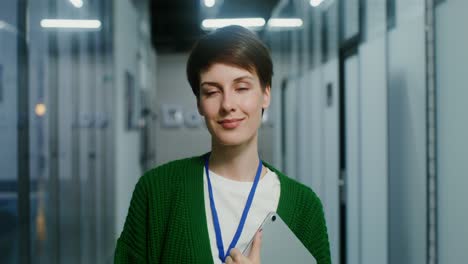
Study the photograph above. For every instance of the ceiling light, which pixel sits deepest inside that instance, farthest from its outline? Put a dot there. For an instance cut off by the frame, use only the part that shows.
(285, 22)
(77, 3)
(222, 22)
(209, 3)
(315, 3)
(70, 23)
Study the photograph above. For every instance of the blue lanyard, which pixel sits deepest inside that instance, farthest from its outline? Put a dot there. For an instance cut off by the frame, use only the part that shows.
(219, 238)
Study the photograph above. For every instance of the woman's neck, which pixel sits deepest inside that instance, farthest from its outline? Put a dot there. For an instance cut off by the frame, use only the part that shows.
(237, 163)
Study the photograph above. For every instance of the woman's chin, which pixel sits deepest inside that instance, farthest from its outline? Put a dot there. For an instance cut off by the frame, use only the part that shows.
(231, 141)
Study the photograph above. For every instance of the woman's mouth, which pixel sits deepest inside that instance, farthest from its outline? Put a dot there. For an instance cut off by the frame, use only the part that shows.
(230, 123)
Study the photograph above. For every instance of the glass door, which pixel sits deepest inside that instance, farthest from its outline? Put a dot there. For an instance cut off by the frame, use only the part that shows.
(14, 135)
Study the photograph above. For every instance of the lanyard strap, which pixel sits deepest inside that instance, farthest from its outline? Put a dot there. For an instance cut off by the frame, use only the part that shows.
(240, 227)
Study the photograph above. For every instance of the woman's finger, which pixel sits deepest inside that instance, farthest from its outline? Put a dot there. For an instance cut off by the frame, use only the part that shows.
(236, 255)
(228, 260)
(254, 255)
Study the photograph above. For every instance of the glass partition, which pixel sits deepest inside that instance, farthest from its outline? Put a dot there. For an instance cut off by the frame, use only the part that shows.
(56, 183)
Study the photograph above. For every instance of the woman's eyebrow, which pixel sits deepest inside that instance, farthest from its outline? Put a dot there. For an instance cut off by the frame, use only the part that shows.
(215, 84)
(241, 78)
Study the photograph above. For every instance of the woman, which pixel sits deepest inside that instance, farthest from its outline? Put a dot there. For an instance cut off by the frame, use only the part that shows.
(206, 209)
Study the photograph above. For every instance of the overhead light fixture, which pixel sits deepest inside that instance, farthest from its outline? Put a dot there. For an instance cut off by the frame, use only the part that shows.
(70, 23)
(223, 22)
(315, 3)
(77, 3)
(285, 22)
(209, 3)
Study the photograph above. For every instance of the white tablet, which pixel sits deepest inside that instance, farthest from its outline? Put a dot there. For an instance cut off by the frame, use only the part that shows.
(279, 244)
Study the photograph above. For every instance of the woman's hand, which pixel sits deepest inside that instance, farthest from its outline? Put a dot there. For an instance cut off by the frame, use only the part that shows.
(236, 256)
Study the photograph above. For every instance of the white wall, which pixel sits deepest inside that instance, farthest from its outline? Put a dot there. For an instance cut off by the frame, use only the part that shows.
(281, 71)
(407, 134)
(330, 168)
(315, 131)
(373, 148)
(452, 130)
(174, 89)
(127, 152)
(315, 97)
(329, 190)
(353, 159)
(365, 125)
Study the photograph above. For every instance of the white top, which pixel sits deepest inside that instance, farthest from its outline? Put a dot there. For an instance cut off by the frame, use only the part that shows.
(230, 197)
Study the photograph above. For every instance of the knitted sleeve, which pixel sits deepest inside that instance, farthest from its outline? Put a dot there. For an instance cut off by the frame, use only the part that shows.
(313, 228)
(132, 243)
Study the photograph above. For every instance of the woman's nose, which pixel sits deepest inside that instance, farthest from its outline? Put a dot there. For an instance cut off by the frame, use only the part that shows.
(228, 103)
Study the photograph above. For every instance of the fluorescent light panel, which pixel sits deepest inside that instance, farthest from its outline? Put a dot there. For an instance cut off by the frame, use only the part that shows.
(222, 22)
(285, 22)
(77, 3)
(70, 23)
(315, 3)
(209, 3)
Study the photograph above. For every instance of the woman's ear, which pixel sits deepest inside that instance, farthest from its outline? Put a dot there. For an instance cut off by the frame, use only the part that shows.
(266, 97)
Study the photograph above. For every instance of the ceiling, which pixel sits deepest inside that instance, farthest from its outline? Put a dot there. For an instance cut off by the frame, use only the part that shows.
(175, 24)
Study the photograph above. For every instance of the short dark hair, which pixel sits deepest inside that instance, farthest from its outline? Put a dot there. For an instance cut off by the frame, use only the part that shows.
(231, 45)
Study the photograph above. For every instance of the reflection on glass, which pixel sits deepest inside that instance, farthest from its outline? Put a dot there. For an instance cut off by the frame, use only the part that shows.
(70, 211)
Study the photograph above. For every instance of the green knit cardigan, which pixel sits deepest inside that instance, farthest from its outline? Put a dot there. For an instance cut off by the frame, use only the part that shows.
(166, 221)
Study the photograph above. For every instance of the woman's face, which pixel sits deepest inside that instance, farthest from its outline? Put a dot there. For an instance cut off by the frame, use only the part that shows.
(231, 101)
